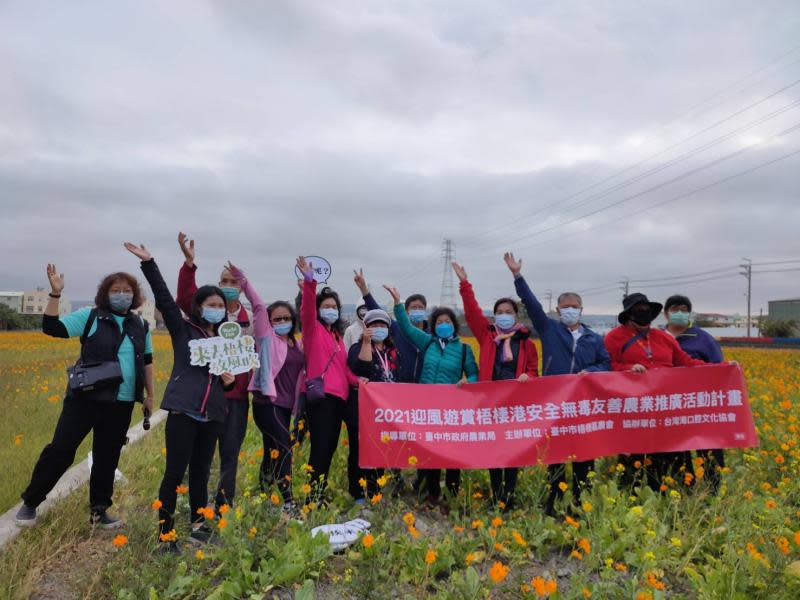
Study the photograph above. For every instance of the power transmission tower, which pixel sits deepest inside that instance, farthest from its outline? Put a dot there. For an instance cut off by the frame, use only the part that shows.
(624, 285)
(549, 296)
(748, 272)
(448, 296)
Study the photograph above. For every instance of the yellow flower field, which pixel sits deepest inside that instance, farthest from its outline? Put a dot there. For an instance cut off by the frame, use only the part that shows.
(619, 543)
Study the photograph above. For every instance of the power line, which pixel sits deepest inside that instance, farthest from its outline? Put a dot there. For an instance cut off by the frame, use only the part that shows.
(515, 222)
(688, 275)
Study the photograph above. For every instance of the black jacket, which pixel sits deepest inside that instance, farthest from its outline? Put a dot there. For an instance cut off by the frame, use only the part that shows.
(104, 345)
(191, 389)
(373, 369)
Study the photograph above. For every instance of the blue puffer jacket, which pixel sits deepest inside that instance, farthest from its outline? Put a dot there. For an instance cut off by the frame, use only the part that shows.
(441, 364)
(558, 357)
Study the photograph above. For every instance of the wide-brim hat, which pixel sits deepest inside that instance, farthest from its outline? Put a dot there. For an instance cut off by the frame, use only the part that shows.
(377, 314)
(632, 300)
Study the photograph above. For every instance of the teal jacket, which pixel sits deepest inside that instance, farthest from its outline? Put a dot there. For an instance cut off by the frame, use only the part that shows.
(440, 364)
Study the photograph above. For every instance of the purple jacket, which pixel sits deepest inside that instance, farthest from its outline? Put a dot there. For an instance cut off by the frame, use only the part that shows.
(698, 343)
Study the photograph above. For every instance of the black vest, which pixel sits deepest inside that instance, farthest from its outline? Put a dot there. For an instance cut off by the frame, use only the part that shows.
(104, 344)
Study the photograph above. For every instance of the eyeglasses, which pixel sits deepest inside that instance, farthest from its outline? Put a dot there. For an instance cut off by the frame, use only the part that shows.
(281, 320)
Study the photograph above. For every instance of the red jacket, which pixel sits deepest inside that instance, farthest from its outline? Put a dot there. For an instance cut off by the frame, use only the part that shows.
(187, 286)
(485, 332)
(664, 350)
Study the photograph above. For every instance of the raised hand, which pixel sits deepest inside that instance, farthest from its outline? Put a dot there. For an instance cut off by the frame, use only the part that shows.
(394, 293)
(235, 271)
(460, 272)
(515, 266)
(187, 247)
(227, 378)
(367, 335)
(360, 281)
(305, 268)
(55, 278)
(140, 251)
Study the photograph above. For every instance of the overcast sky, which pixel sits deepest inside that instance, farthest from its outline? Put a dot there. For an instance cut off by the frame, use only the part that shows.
(586, 136)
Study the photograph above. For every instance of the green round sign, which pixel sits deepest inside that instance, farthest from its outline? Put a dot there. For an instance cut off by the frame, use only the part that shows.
(230, 331)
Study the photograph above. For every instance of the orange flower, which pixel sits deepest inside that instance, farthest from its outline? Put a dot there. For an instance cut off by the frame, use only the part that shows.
(200, 555)
(120, 540)
(498, 572)
(543, 587)
(587, 593)
(470, 558)
(222, 523)
(430, 557)
(156, 504)
(376, 498)
(273, 454)
(653, 581)
(252, 533)
(206, 512)
(477, 524)
(621, 567)
(460, 529)
(368, 540)
(644, 596)
(170, 536)
(584, 545)
(182, 489)
(572, 522)
(412, 460)
(275, 499)
(413, 532)
(576, 554)
(306, 488)
(518, 538)
(223, 510)
(497, 522)
(409, 518)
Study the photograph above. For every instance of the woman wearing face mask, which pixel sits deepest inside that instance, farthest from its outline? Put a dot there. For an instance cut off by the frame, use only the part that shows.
(232, 436)
(374, 358)
(275, 385)
(194, 398)
(698, 344)
(507, 352)
(109, 332)
(446, 360)
(636, 346)
(568, 346)
(326, 357)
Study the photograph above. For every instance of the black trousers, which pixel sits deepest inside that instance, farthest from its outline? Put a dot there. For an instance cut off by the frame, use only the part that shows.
(354, 472)
(661, 465)
(190, 444)
(431, 480)
(714, 460)
(108, 422)
(230, 444)
(324, 424)
(556, 474)
(273, 422)
(504, 482)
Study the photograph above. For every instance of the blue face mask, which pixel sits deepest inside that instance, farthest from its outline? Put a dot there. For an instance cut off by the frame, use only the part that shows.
(230, 293)
(679, 318)
(417, 315)
(569, 316)
(329, 315)
(120, 303)
(379, 334)
(445, 330)
(213, 315)
(282, 328)
(504, 321)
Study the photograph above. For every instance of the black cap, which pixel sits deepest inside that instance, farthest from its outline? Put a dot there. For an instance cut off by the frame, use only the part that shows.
(677, 300)
(632, 300)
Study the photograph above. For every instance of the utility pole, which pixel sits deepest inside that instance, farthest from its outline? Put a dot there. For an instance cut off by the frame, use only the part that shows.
(549, 296)
(624, 285)
(748, 272)
(448, 295)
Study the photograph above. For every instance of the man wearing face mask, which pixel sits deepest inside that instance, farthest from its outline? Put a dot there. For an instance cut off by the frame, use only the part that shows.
(109, 333)
(355, 330)
(636, 346)
(231, 438)
(568, 346)
(698, 344)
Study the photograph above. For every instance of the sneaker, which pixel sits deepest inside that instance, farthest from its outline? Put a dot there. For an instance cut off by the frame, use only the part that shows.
(26, 516)
(169, 548)
(201, 535)
(104, 520)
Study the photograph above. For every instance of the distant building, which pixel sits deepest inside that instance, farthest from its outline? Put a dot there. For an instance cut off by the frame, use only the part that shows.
(715, 319)
(148, 313)
(35, 301)
(785, 309)
(12, 300)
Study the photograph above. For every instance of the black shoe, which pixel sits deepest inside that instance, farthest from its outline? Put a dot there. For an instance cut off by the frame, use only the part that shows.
(26, 516)
(104, 520)
(201, 535)
(169, 548)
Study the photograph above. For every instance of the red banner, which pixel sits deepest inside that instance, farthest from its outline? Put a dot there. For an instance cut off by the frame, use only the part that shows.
(553, 419)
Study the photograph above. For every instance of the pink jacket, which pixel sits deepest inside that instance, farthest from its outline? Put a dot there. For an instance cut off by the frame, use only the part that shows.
(271, 348)
(320, 344)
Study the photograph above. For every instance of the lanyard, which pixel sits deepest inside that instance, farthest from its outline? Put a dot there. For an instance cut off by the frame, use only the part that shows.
(384, 360)
(647, 349)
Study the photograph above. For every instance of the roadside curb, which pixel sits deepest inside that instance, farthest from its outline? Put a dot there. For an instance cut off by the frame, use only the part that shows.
(74, 478)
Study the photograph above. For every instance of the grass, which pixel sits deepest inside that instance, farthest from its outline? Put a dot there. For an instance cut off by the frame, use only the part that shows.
(620, 543)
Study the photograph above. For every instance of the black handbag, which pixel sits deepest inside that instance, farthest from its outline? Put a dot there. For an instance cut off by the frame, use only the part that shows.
(91, 377)
(315, 387)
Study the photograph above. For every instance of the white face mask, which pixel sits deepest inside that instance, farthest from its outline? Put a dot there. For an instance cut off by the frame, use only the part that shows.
(569, 316)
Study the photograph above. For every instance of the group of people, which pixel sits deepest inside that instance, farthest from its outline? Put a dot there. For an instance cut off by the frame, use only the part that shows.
(315, 378)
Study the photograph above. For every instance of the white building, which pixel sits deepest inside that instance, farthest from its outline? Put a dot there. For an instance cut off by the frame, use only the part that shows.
(12, 299)
(35, 301)
(148, 312)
